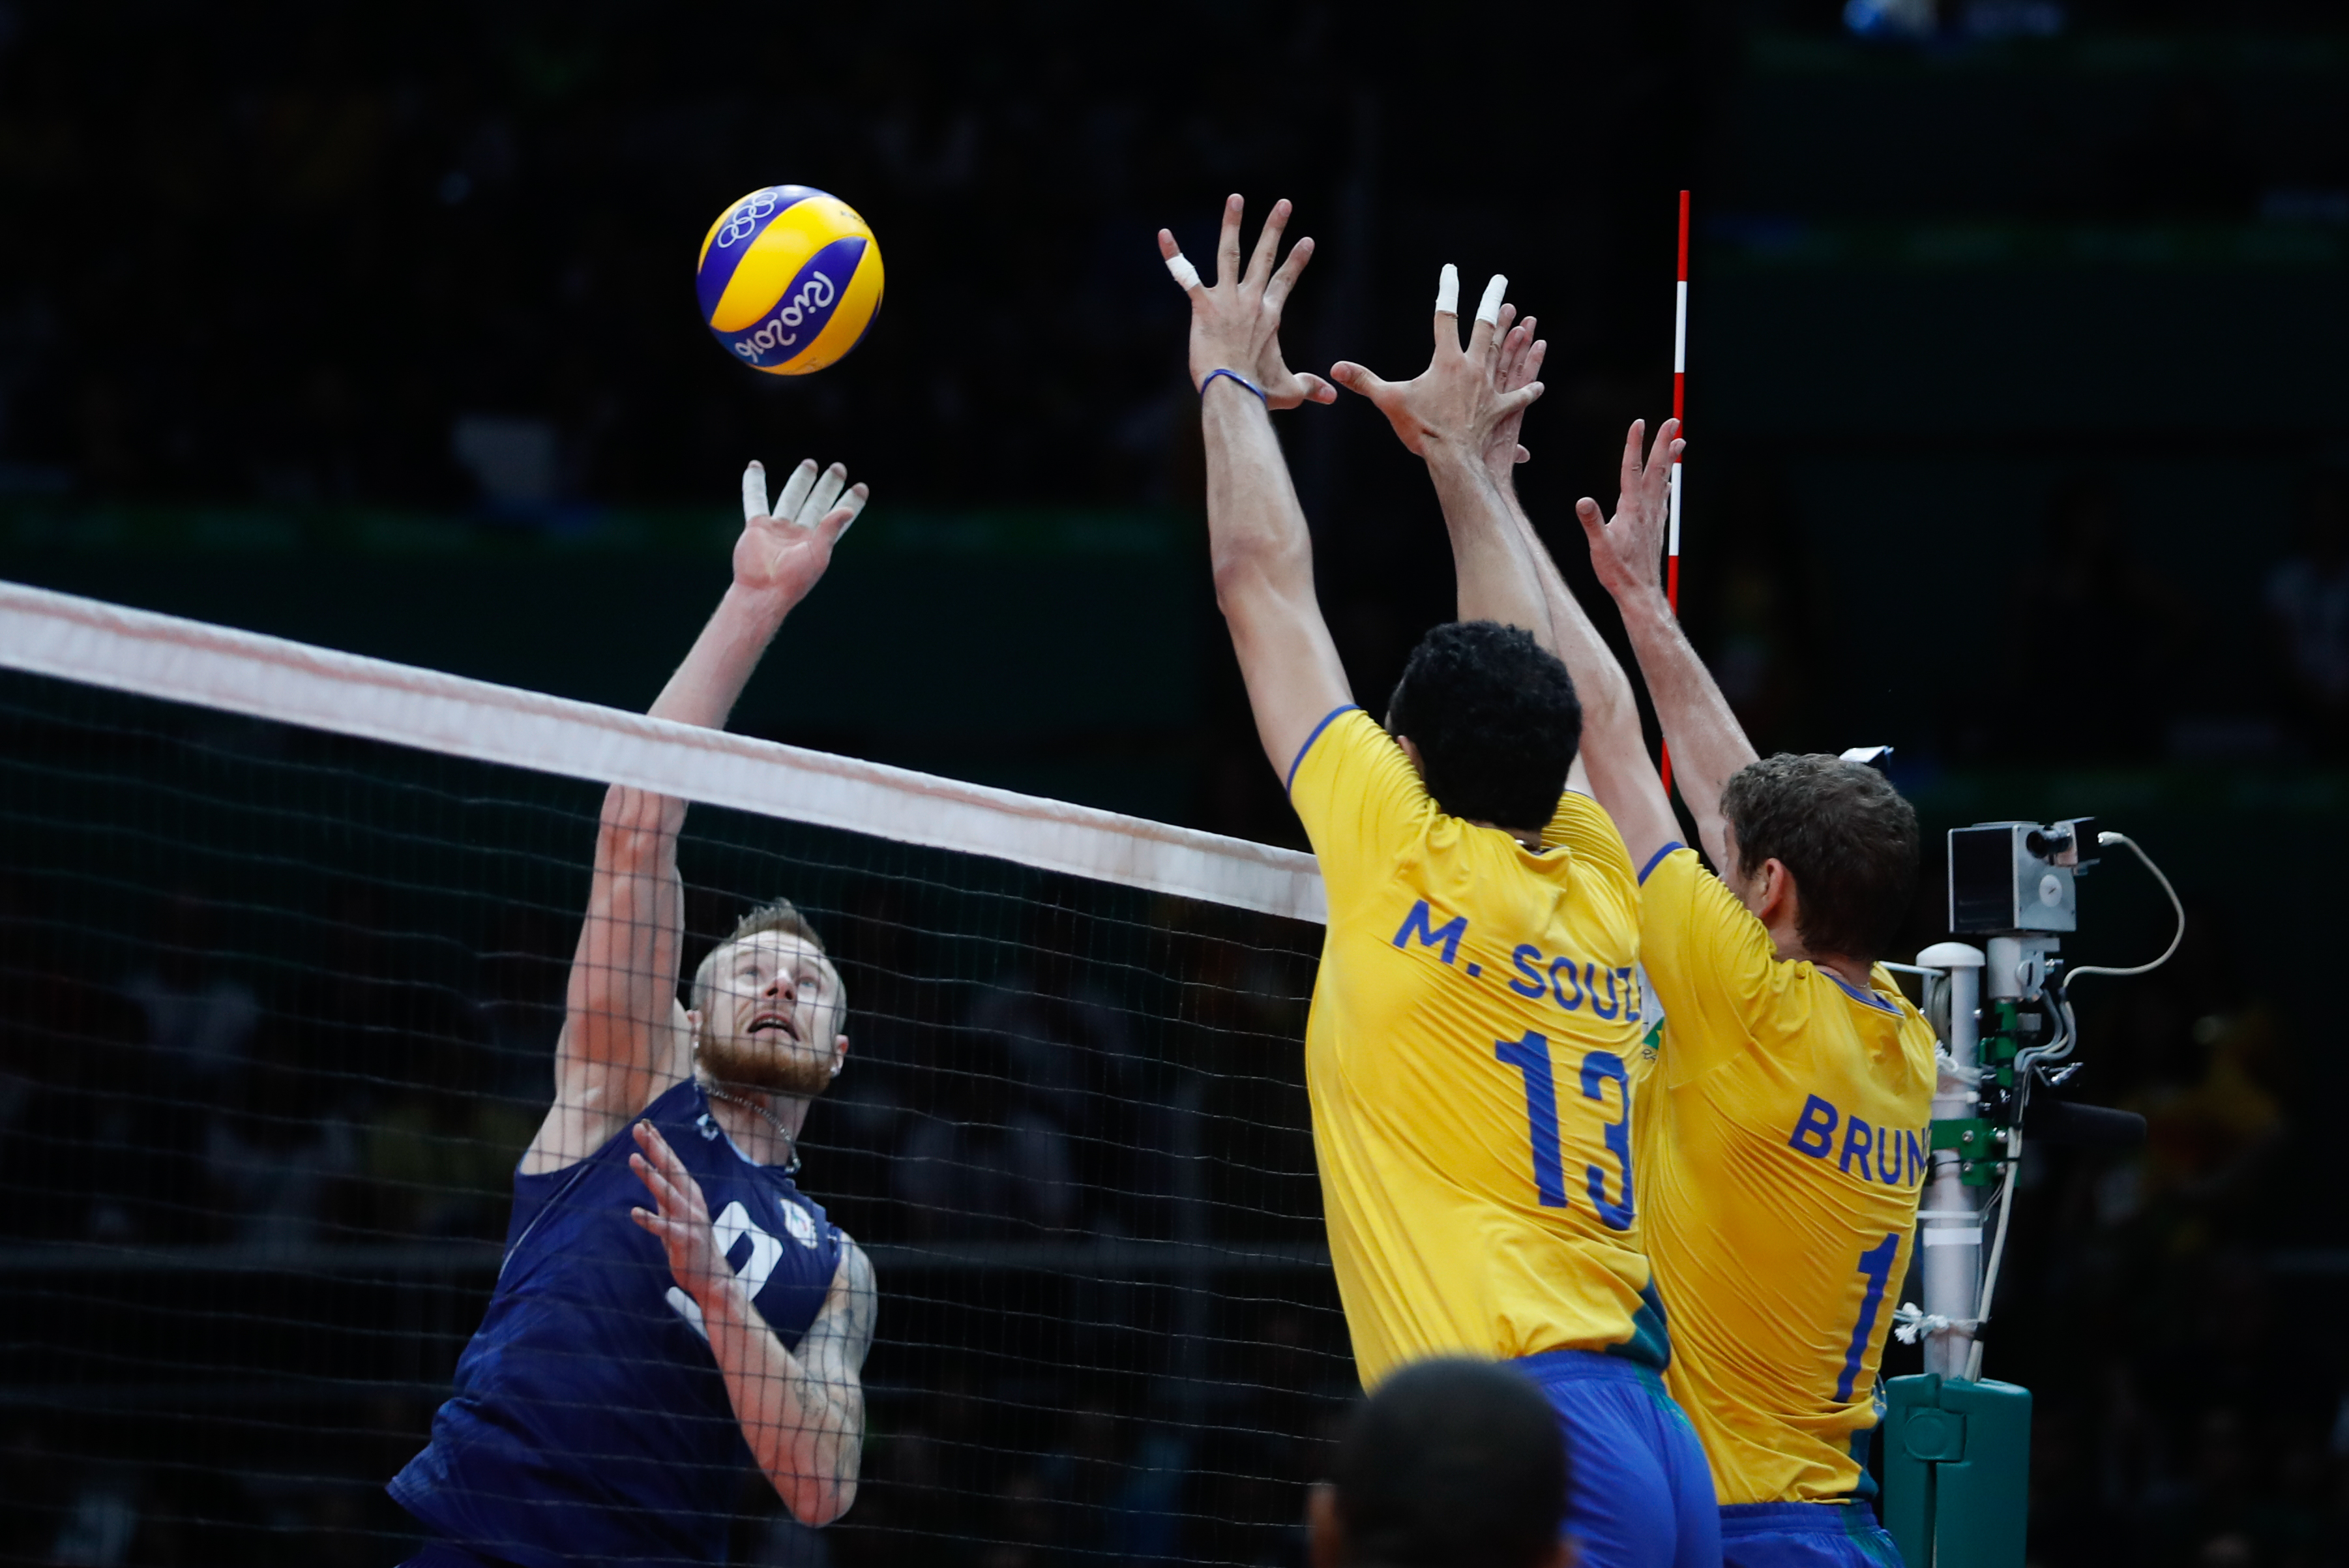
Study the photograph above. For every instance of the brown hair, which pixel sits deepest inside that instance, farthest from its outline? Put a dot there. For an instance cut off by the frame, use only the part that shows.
(781, 914)
(1845, 834)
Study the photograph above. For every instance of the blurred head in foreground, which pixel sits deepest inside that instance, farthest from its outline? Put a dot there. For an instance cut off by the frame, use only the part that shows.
(1451, 1464)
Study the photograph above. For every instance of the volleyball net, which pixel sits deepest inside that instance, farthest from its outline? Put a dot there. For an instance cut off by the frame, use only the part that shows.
(283, 936)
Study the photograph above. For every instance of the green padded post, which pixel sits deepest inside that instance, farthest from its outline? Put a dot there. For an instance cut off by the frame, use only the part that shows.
(1957, 1471)
(1907, 1472)
(1982, 1503)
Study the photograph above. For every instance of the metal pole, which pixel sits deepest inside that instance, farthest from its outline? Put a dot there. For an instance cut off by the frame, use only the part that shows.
(1949, 1219)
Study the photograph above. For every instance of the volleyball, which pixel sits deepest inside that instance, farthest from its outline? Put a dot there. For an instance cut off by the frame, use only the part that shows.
(789, 279)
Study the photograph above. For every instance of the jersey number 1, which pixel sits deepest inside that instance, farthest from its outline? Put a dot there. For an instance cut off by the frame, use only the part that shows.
(1876, 1268)
(1530, 1056)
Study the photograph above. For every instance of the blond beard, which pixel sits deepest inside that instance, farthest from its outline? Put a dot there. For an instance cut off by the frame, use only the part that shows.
(736, 1066)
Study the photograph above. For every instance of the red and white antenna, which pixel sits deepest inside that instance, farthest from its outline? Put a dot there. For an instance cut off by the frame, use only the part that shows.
(1680, 389)
(1679, 393)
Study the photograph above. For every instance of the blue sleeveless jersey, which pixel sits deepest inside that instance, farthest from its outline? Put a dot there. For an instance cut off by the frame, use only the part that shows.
(590, 1422)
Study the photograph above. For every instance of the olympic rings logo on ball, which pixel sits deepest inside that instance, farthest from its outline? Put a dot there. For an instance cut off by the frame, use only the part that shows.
(813, 294)
(745, 221)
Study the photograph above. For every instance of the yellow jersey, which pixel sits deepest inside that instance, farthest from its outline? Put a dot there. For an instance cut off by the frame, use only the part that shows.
(1468, 1063)
(1781, 1141)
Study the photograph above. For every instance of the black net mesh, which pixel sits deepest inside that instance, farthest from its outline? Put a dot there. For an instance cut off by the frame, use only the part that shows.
(280, 1011)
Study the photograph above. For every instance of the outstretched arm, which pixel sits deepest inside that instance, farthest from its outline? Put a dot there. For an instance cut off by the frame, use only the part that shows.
(1614, 754)
(1446, 414)
(1708, 743)
(802, 1413)
(1255, 530)
(623, 1042)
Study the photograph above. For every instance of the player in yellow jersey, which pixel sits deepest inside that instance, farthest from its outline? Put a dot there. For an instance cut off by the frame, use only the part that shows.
(1476, 1011)
(1781, 1132)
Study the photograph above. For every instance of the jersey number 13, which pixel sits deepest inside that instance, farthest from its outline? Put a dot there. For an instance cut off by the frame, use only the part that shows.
(1530, 1057)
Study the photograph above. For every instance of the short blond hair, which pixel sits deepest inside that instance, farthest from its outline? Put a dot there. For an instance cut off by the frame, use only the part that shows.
(781, 914)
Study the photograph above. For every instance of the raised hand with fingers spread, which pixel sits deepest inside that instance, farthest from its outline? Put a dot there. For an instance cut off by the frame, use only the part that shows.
(1627, 551)
(1235, 320)
(1262, 550)
(1457, 400)
(1457, 414)
(784, 549)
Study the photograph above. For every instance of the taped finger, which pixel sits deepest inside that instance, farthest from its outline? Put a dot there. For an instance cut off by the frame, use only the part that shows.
(1186, 276)
(852, 503)
(820, 500)
(754, 491)
(795, 489)
(1447, 291)
(1490, 310)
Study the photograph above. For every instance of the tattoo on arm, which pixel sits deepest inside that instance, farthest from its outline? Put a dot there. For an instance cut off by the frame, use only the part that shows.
(832, 1357)
(827, 1393)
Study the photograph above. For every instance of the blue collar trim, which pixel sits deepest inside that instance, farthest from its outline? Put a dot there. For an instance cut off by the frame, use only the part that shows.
(1867, 998)
(1290, 782)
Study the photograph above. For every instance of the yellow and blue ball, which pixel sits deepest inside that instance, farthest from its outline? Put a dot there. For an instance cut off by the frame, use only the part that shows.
(788, 280)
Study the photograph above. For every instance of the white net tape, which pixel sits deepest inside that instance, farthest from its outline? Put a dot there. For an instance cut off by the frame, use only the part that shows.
(162, 656)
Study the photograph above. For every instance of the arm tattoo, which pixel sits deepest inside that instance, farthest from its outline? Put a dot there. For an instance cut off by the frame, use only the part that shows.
(832, 1354)
(829, 1389)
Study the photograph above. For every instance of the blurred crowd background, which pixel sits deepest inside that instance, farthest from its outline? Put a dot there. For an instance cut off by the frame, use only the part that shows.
(2017, 440)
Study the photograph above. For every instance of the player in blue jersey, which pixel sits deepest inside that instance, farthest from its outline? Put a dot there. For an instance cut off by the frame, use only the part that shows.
(671, 1310)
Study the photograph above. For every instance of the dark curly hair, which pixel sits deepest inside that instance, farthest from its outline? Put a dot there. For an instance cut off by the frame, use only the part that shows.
(1496, 719)
(1845, 834)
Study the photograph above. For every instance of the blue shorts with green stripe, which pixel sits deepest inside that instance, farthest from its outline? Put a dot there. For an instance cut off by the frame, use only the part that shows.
(1804, 1535)
(1643, 1494)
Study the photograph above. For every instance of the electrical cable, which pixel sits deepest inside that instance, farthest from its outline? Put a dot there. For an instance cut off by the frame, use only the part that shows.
(2175, 903)
(2059, 997)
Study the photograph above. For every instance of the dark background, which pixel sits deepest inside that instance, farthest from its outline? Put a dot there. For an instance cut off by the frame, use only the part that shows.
(2018, 440)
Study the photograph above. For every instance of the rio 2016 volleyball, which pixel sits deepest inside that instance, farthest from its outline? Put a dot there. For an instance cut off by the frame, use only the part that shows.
(789, 279)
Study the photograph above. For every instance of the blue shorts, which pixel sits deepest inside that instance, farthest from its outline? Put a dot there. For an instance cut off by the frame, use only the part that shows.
(1804, 1535)
(1643, 1494)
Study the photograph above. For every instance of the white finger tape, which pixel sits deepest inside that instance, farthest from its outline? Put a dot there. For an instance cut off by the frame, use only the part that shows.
(1490, 310)
(1447, 291)
(1186, 276)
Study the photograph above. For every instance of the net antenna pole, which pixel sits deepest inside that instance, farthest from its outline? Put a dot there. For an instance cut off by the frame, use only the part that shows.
(1950, 1218)
(1680, 391)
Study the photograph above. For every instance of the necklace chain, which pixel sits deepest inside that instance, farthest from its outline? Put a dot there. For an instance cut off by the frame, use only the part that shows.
(791, 1143)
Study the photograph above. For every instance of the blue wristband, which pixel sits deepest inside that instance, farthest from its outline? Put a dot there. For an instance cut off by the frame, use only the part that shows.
(1236, 375)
